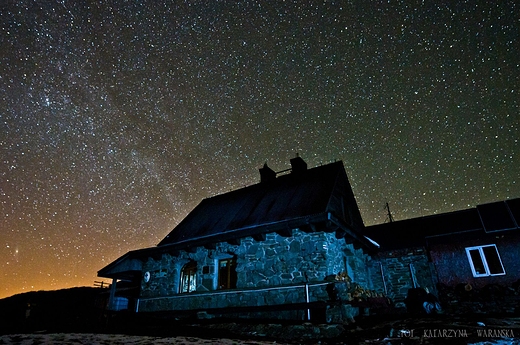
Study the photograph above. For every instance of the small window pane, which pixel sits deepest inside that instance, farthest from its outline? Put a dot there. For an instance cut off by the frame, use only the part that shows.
(189, 278)
(493, 260)
(227, 275)
(478, 265)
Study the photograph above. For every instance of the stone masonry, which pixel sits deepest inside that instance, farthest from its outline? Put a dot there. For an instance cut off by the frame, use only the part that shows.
(402, 269)
(272, 271)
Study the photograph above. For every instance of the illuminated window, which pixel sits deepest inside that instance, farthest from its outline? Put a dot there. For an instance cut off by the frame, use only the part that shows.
(485, 261)
(188, 277)
(227, 274)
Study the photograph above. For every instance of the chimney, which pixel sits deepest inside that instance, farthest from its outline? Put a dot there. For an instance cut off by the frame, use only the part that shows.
(267, 174)
(298, 165)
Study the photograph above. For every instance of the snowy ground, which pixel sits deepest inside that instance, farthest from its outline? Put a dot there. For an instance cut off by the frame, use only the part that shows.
(115, 339)
(410, 331)
(119, 339)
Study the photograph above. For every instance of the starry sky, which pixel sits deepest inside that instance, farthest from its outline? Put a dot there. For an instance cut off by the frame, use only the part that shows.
(118, 117)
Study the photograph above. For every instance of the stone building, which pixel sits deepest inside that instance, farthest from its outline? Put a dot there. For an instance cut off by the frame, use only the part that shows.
(468, 258)
(293, 246)
(272, 249)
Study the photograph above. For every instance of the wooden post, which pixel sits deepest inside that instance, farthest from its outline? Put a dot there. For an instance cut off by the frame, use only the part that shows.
(307, 301)
(111, 299)
(414, 279)
(383, 277)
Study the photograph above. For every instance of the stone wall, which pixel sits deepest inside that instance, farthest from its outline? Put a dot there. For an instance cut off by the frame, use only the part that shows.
(399, 268)
(214, 303)
(272, 271)
(236, 298)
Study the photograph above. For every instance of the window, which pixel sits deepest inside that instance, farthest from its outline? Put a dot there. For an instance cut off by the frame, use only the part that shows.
(485, 261)
(227, 274)
(188, 277)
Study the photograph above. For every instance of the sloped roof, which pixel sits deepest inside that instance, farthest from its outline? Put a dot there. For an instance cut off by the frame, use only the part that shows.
(289, 196)
(470, 222)
(303, 198)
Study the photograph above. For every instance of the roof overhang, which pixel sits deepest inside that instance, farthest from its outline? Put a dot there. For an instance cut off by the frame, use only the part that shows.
(130, 263)
(127, 267)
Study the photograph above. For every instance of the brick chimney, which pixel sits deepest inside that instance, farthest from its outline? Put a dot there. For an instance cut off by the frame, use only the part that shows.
(267, 174)
(298, 165)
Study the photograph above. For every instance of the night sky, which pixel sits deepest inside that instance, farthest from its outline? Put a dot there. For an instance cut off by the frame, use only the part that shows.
(118, 117)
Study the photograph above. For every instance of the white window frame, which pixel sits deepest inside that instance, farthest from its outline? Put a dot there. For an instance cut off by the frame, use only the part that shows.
(484, 261)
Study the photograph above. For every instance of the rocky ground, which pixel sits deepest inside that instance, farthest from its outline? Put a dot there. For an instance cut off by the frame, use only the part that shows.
(72, 316)
(425, 330)
(115, 339)
(478, 330)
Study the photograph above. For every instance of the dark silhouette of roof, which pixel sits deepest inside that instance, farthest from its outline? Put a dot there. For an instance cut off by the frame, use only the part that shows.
(288, 197)
(317, 199)
(478, 221)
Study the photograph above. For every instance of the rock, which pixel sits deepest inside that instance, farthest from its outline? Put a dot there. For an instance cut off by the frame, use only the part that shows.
(202, 315)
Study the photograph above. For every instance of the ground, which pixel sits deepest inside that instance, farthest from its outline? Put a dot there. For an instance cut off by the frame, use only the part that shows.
(425, 330)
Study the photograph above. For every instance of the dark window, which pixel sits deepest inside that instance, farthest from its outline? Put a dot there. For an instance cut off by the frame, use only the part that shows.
(485, 261)
(227, 274)
(478, 264)
(493, 260)
(188, 277)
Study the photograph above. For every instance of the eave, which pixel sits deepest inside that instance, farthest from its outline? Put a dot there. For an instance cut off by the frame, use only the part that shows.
(324, 221)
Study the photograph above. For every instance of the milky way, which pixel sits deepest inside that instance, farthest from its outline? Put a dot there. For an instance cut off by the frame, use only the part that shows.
(118, 117)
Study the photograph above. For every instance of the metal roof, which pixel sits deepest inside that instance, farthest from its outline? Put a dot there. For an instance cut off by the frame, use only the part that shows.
(289, 196)
(302, 198)
(500, 216)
